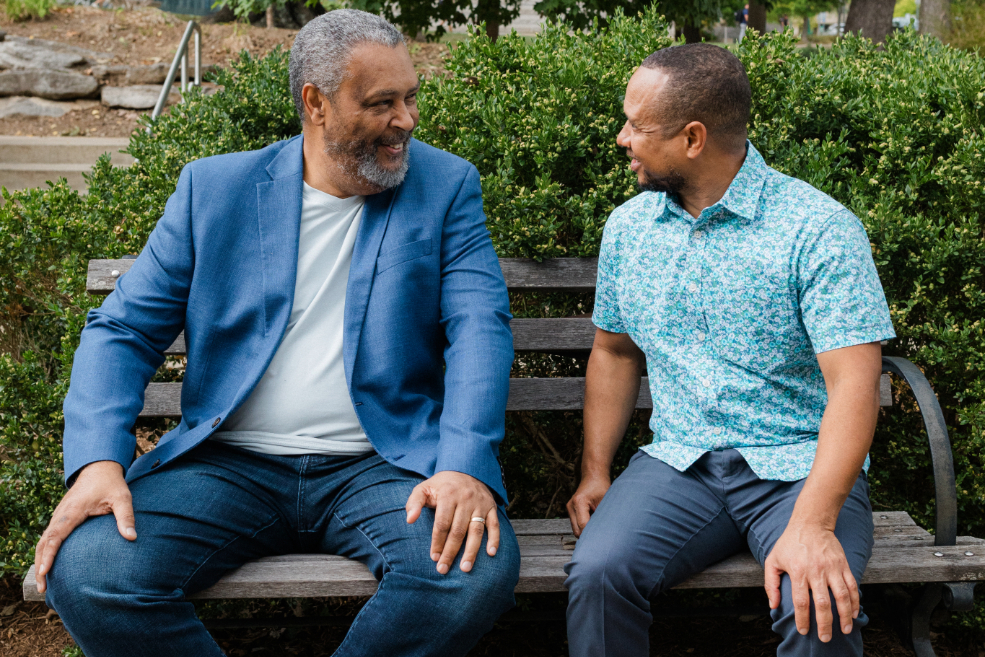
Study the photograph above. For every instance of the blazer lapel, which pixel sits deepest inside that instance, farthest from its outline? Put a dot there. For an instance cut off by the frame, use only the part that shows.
(372, 228)
(279, 216)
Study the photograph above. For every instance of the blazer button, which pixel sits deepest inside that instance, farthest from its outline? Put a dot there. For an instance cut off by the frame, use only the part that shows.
(156, 463)
(214, 424)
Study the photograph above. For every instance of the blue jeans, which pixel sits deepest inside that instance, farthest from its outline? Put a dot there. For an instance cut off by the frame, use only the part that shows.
(656, 526)
(220, 506)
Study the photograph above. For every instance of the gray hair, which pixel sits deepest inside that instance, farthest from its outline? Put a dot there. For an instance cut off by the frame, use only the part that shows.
(323, 47)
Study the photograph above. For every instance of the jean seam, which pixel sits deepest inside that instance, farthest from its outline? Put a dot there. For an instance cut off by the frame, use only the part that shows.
(223, 547)
(368, 540)
(300, 505)
(357, 619)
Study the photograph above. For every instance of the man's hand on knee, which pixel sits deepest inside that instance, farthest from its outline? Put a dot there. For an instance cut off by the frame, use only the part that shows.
(99, 489)
(815, 561)
(456, 498)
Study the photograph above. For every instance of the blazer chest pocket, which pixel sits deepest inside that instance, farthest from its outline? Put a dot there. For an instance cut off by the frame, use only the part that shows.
(403, 253)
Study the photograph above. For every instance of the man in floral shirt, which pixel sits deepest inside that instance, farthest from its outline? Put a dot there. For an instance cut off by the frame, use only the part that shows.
(751, 301)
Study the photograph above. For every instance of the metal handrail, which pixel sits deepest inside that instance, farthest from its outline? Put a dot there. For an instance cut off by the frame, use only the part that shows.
(181, 57)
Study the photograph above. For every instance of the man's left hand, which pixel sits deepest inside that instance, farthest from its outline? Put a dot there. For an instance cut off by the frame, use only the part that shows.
(456, 498)
(815, 561)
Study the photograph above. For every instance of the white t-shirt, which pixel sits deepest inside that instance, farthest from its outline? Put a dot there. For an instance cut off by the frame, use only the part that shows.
(302, 403)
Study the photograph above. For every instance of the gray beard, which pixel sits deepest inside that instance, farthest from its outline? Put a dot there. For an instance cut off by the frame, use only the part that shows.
(357, 159)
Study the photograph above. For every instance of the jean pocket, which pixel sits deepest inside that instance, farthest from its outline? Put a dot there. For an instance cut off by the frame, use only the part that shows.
(403, 253)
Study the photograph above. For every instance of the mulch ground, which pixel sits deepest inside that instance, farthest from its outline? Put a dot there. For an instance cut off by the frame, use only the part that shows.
(30, 630)
(144, 36)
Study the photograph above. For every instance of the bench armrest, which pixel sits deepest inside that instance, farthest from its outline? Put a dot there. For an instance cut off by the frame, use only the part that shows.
(945, 491)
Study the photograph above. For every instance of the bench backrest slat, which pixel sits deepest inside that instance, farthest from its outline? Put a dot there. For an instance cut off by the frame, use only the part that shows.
(572, 335)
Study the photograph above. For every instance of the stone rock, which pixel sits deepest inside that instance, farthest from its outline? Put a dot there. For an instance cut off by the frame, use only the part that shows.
(2, 35)
(153, 74)
(140, 96)
(21, 106)
(16, 55)
(54, 85)
(119, 75)
(91, 57)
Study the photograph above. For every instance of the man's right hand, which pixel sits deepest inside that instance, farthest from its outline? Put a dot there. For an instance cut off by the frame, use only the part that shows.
(585, 500)
(99, 489)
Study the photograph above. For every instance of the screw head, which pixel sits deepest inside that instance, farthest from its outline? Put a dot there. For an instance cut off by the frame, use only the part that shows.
(938, 554)
(115, 273)
(969, 554)
(884, 517)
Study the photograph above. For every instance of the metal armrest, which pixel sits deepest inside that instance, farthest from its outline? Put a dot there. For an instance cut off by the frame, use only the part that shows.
(945, 491)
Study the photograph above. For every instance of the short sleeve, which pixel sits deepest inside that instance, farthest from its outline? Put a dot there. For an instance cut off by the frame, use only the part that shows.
(606, 315)
(841, 298)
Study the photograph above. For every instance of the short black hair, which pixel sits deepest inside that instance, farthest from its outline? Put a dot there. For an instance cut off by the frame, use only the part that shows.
(708, 84)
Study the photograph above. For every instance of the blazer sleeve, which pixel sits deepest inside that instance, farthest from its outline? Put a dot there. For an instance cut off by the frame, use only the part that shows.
(479, 353)
(124, 340)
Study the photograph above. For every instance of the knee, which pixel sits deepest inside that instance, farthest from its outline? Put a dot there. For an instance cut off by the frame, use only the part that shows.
(601, 567)
(794, 643)
(92, 568)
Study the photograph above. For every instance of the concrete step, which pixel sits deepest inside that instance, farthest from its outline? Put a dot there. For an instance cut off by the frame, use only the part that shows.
(24, 176)
(61, 150)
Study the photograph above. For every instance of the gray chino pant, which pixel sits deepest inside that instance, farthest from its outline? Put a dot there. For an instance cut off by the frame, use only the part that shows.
(657, 526)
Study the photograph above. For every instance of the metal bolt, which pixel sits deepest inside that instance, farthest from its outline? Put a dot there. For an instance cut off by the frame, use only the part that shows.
(938, 554)
(969, 554)
(898, 529)
(884, 517)
(115, 273)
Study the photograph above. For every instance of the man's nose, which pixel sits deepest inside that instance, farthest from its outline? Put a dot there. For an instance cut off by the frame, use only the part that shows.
(623, 137)
(404, 119)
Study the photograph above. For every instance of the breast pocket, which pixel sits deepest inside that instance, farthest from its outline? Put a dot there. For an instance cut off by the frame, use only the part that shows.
(402, 254)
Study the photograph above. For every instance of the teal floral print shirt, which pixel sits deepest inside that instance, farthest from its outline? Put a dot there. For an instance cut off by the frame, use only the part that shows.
(731, 309)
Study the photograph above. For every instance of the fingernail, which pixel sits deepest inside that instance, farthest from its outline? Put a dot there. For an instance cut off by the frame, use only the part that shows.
(131, 532)
(825, 638)
(41, 570)
(492, 552)
(442, 568)
(435, 556)
(466, 565)
(855, 614)
(847, 629)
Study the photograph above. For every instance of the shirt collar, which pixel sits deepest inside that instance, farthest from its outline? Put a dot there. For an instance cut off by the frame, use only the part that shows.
(741, 198)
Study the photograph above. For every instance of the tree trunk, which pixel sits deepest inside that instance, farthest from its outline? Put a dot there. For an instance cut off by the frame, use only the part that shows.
(692, 33)
(935, 18)
(757, 17)
(492, 30)
(270, 16)
(871, 18)
(805, 33)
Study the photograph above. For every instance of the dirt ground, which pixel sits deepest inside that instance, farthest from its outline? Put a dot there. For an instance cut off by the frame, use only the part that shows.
(30, 630)
(144, 35)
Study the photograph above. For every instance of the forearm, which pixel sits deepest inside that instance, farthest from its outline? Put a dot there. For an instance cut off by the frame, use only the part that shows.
(612, 386)
(844, 440)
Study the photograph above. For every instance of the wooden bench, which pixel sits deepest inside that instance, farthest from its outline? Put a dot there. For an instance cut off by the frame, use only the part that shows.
(948, 565)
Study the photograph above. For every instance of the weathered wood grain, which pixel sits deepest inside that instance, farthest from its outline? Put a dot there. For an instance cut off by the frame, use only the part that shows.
(567, 394)
(899, 557)
(521, 274)
(572, 334)
(568, 274)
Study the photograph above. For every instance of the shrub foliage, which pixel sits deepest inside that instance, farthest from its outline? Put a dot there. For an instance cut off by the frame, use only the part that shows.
(894, 133)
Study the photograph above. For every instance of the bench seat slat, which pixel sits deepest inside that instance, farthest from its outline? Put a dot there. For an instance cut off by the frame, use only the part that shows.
(297, 576)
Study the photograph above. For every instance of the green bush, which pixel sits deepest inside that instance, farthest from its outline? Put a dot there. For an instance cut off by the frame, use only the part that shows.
(20, 10)
(894, 133)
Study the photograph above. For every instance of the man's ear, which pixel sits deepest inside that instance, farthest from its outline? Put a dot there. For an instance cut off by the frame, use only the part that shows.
(696, 137)
(317, 108)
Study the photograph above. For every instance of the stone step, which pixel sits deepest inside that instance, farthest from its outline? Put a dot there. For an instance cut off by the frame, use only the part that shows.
(15, 176)
(58, 151)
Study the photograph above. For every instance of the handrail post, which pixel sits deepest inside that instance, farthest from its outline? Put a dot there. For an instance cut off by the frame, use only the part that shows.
(181, 59)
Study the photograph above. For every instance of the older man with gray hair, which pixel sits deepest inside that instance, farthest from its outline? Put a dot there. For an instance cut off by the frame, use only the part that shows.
(347, 327)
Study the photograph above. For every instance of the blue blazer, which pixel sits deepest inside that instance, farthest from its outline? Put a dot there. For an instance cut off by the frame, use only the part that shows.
(427, 343)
